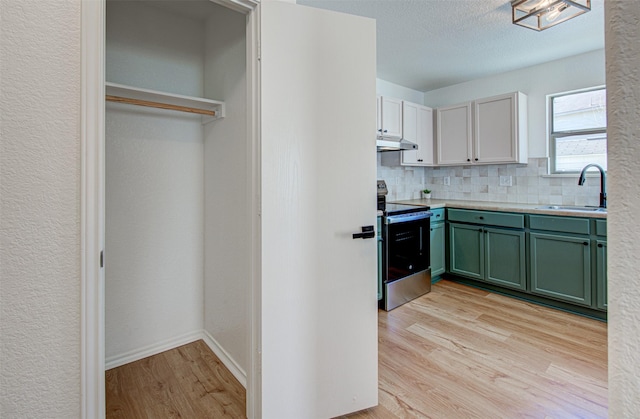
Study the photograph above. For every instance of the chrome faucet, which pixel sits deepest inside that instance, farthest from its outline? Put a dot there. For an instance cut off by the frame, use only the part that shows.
(603, 182)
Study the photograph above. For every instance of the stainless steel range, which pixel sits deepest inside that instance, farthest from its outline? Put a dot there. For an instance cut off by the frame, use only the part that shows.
(406, 265)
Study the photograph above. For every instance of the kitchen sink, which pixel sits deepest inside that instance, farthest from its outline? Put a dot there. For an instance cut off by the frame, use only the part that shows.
(572, 208)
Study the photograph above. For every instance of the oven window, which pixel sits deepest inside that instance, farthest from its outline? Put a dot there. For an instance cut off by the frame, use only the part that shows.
(407, 248)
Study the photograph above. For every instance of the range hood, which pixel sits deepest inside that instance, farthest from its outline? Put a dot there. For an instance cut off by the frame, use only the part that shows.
(394, 144)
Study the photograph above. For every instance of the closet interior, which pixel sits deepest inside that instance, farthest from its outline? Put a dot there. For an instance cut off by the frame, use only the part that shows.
(177, 200)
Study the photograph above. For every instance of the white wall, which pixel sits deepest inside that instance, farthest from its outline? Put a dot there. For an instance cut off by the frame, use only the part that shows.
(227, 220)
(577, 72)
(154, 185)
(623, 87)
(40, 209)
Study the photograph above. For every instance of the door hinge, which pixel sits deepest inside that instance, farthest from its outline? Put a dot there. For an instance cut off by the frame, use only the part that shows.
(102, 258)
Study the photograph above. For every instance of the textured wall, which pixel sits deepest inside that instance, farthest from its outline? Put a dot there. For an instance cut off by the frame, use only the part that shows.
(623, 94)
(39, 207)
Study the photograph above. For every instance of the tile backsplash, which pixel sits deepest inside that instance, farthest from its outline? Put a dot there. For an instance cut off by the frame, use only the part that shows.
(529, 183)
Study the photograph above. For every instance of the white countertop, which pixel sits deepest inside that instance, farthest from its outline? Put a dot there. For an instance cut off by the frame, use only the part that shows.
(500, 206)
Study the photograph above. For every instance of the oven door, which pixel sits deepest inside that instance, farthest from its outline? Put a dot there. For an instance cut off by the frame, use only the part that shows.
(406, 246)
(407, 273)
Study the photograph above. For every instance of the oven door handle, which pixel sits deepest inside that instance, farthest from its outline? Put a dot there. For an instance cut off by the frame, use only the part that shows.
(367, 233)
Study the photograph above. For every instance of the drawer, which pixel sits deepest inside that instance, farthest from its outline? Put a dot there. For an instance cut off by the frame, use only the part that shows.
(438, 215)
(561, 224)
(500, 219)
(601, 227)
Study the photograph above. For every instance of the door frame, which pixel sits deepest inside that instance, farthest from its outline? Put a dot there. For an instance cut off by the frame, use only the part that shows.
(92, 205)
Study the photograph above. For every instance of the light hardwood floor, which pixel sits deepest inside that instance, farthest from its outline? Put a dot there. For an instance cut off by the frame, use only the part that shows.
(457, 352)
(185, 382)
(460, 352)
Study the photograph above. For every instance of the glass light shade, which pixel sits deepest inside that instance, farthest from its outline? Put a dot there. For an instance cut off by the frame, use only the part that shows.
(542, 14)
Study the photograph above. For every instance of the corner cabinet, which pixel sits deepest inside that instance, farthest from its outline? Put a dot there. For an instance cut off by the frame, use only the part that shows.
(488, 246)
(486, 131)
(417, 127)
(560, 254)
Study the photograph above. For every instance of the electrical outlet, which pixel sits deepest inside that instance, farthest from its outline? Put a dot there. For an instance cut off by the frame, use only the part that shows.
(505, 181)
(446, 181)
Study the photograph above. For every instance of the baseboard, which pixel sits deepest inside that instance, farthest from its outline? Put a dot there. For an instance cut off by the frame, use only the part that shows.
(135, 355)
(156, 348)
(226, 359)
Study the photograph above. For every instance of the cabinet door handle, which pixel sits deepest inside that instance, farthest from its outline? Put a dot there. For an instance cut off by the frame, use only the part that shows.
(480, 230)
(431, 229)
(585, 243)
(438, 216)
(476, 159)
(481, 218)
(600, 245)
(380, 130)
(419, 159)
(468, 159)
(386, 130)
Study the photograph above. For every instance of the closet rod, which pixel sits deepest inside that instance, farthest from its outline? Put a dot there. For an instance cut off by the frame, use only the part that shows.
(159, 105)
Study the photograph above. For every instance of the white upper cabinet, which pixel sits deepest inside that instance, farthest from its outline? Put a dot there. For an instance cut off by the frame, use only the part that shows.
(500, 130)
(454, 135)
(389, 117)
(417, 127)
(486, 131)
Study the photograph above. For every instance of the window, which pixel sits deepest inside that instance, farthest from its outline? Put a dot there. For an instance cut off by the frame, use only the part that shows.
(578, 130)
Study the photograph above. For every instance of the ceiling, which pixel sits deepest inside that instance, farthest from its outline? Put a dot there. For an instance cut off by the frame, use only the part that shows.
(428, 44)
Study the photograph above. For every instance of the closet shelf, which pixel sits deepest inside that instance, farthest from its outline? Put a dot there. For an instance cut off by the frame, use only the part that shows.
(209, 109)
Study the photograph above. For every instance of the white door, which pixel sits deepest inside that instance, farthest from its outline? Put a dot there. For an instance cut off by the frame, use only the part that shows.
(318, 157)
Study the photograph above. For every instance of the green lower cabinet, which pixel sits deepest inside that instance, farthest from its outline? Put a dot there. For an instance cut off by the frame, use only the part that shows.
(601, 274)
(437, 249)
(506, 258)
(489, 254)
(466, 250)
(560, 267)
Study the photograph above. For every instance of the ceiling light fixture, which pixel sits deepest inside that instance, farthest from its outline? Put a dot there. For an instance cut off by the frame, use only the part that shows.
(542, 14)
